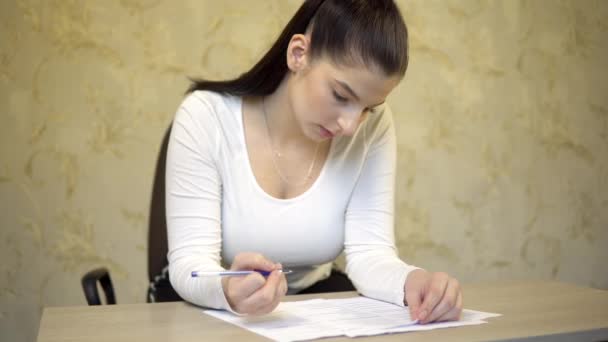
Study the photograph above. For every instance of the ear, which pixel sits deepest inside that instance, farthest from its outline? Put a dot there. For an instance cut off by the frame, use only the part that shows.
(298, 52)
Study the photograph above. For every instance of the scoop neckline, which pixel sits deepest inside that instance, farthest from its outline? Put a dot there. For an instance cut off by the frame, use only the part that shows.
(241, 121)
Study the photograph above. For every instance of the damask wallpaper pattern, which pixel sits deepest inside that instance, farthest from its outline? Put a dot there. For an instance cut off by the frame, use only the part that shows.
(502, 124)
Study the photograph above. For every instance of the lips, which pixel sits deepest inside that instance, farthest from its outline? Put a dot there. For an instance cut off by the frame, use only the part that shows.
(326, 133)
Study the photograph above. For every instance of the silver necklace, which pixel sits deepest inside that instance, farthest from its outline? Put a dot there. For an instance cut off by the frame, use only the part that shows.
(278, 154)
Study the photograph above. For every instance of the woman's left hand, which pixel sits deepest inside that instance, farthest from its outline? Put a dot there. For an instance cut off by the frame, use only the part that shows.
(433, 296)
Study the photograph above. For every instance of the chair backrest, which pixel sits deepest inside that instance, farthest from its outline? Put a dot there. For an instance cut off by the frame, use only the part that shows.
(157, 226)
(160, 289)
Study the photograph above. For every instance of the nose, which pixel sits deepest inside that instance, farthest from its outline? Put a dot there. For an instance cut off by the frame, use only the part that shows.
(348, 123)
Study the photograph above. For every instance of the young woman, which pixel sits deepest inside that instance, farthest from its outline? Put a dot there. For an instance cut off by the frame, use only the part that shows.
(293, 162)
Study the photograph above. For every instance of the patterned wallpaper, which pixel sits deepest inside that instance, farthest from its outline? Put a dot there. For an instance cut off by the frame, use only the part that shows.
(502, 123)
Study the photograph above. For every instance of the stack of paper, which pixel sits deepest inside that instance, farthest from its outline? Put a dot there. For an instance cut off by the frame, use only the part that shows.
(352, 317)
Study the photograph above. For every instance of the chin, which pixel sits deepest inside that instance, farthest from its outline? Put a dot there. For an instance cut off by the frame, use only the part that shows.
(315, 137)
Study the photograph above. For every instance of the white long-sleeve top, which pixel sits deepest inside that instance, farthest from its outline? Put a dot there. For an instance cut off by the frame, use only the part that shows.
(216, 209)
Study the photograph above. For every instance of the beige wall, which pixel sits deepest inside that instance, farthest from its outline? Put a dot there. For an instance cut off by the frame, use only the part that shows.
(502, 124)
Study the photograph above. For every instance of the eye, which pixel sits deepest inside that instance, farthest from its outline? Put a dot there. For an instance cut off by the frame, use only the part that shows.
(338, 97)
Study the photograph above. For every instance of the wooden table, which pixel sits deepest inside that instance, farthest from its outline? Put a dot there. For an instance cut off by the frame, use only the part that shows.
(531, 311)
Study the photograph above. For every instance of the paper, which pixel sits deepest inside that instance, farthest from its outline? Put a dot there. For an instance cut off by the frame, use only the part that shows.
(352, 317)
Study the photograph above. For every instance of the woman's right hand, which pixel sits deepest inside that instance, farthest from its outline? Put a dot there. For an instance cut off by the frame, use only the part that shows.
(254, 294)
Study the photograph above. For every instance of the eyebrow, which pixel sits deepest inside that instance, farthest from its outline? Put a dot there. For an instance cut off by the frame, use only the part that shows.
(352, 92)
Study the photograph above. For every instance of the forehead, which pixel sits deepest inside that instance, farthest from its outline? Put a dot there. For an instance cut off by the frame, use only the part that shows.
(365, 80)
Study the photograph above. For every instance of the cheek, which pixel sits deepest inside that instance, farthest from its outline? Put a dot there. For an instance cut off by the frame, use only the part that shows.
(321, 104)
(314, 102)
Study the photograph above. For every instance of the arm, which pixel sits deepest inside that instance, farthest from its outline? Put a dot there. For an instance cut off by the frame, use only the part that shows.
(371, 257)
(193, 200)
(193, 196)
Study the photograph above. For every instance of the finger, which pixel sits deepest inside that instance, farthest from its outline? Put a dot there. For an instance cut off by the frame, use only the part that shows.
(248, 306)
(413, 299)
(434, 293)
(255, 306)
(265, 295)
(284, 287)
(268, 308)
(281, 290)
(446, 303)
(252, 261)
(242, 287)
(454, 314)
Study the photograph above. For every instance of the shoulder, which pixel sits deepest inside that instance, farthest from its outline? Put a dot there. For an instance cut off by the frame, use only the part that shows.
(201, 102)
(206, 109)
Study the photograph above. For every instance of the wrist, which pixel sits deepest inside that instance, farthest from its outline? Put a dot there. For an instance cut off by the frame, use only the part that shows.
(411, 276)
(225, 285)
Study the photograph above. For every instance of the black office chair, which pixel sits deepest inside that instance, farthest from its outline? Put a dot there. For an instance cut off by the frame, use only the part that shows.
(159, 289)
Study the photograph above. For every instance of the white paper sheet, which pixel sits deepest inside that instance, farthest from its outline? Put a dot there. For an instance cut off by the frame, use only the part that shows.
(357, 316)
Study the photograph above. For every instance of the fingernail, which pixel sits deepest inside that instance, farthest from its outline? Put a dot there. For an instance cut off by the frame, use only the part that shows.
(422, 315)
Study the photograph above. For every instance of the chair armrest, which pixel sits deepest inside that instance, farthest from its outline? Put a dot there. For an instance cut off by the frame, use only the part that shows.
(89, 285)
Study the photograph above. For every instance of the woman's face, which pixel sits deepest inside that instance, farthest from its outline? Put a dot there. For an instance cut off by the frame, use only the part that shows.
(329, 100)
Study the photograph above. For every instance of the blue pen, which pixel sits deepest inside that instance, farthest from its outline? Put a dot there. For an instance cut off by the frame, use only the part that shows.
(233, 273)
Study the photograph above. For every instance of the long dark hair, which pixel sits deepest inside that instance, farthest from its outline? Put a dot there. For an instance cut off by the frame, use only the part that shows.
(348, 31)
